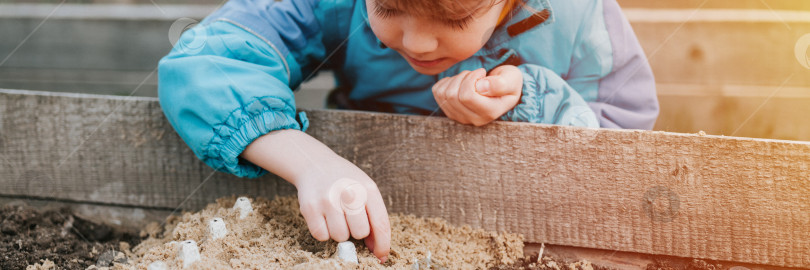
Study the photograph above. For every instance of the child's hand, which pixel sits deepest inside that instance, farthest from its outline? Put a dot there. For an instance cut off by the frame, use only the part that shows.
(337, 199)
(471, 97)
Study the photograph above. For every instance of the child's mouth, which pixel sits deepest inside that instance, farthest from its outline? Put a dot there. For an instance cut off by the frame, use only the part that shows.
(425, 64)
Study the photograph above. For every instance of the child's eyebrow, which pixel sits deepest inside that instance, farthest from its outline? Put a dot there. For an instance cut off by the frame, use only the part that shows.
(458, 11)
(467, 12)
(474, 12)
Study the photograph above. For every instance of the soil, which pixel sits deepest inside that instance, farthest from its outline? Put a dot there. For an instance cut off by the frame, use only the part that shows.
(692, 265)
(274, 236)
(29, 237)
(549, 263)
(552, 263)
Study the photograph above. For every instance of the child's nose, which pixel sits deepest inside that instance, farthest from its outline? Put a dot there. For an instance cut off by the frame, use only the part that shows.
(418, 41)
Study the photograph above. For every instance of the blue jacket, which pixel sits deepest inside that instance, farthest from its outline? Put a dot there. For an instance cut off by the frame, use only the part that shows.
(228, 80)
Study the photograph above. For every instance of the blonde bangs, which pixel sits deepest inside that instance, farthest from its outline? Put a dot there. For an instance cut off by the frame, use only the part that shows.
(446, 9)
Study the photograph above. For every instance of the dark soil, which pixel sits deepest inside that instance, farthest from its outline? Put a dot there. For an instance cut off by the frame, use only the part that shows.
(28, 237)
(551, 263)
(693, 265)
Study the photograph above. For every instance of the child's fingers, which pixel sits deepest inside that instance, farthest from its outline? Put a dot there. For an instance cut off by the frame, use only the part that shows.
(369, 240)
(446, 108)
(336, 223)
(358, 223)
(315, 222)
(474, 105)
(440, 86)
(488, 108)
(380, 225)
(447, 96)
(439, 90)
(473, 101)
(448, 111)
(504, 80)
(455, 86)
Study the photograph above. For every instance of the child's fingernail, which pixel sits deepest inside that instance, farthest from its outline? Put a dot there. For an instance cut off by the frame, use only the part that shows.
(482, 87)
(384, 259)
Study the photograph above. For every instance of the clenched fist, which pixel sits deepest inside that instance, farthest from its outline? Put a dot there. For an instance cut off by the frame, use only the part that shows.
(473, 97)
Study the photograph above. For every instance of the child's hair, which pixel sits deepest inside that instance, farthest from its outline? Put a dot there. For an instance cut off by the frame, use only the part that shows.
(450, 9)
(453, 9)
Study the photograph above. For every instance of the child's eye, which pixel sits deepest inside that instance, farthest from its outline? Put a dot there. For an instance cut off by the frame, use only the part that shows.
(459, 24)
(384, 12)
(456, 24)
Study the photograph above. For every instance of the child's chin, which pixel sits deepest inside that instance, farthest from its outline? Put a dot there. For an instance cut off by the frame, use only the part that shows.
(429, 71)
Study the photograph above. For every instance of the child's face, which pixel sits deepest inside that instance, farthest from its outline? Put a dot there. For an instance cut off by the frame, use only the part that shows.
(430, 44)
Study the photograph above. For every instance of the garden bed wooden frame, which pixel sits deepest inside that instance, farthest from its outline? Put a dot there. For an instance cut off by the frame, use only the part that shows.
(687, 195)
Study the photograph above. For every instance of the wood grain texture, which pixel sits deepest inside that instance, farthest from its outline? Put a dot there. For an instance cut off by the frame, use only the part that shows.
(723, 198)
(734, 52)
(738, 4)
(777, 118)
(110, 150)
(735, 77)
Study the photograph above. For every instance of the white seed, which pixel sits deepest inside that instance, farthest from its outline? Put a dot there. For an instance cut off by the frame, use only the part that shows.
(427, 261)
(424, 263)
(216, 228)
(157, 265)
(540, 254)
(189, 253)
(347, 252)
(243, 204)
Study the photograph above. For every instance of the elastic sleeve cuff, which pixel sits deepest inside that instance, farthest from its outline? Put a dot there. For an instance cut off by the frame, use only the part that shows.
(546, 98)
(242, 127)
(530, 107)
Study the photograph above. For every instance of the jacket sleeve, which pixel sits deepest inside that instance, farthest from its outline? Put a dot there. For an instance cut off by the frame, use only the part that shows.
(608, 69)
(224, 85)
(548, 99)
(627, 97)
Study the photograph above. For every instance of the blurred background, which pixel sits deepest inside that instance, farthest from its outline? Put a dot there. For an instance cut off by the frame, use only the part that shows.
(725, 67)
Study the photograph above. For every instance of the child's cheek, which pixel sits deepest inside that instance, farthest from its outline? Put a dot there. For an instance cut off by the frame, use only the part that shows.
(382, 29)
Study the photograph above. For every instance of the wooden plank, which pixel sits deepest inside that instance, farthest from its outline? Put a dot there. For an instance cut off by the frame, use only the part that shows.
(118, 151)
(131, 218)
(686, 195)
(717, 53)
(715, 4)
(645, 15)
(744, 111)
(106, 11)
(89, 81)
(128, 45)
(730, 90)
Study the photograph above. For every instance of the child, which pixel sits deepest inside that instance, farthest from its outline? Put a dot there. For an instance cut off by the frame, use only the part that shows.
(568, 62)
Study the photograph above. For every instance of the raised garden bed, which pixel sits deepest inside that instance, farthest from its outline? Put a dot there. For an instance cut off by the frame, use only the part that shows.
(744, 201)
